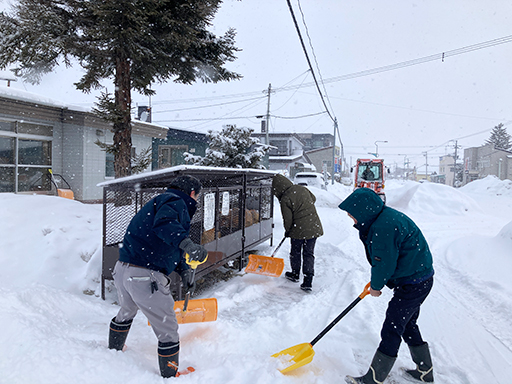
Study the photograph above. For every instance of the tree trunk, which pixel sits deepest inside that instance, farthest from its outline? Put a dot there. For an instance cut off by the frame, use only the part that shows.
(123, 126)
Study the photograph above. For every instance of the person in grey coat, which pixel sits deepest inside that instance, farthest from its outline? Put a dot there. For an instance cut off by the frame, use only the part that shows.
(153, 247)
(302, 225)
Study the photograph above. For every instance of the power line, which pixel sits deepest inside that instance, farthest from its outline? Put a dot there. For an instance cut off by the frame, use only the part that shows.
(439, 56)
(299, 117)
(211, 105)
(247, 117)
(313, 52)
(307, 59)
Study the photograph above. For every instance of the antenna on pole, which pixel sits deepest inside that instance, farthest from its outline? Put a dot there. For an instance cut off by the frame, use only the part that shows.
(8, 79)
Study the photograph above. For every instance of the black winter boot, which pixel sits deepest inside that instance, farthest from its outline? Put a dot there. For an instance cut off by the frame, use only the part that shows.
(378, 371)
(292, 276)
(118, 334)
(307, 284)
(424, 372)
(168, 358)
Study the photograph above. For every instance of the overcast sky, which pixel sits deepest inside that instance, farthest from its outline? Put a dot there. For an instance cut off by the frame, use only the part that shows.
(415, 108)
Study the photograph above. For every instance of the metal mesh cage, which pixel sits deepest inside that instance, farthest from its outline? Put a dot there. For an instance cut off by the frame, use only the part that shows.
(234, 210)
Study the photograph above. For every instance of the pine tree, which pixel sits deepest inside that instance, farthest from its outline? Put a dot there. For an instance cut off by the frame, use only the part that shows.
(500, 138)
(135, 43)
(231, 148)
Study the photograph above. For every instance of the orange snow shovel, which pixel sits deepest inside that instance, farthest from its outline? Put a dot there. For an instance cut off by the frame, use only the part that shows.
(302, 354)
(198, 310)
(264, 265)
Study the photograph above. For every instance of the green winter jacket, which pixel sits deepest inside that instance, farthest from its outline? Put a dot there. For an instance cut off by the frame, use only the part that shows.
(394, 245)
(300, 218)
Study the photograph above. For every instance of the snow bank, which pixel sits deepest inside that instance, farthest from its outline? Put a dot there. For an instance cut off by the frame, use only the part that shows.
(51, 241)
(485, 258)
(430, 198)
(491, 185)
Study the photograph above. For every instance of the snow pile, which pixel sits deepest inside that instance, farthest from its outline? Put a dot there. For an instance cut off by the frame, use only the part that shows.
(490, 185)
(51, 241)
(436, 199)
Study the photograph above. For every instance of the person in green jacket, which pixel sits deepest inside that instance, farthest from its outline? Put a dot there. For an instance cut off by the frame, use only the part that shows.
(302, 225)
(401, 260)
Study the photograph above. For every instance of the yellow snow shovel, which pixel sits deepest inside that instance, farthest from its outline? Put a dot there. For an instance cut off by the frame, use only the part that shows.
(302, 354)
(198, 310)
(264, 265)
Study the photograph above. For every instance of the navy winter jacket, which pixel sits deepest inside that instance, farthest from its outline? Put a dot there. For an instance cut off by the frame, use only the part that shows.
(394, 245)
(153, 235)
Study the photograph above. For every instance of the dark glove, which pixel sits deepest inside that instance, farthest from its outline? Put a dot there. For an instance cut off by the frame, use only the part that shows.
(287, 234)
(186, 280)
(195, 251)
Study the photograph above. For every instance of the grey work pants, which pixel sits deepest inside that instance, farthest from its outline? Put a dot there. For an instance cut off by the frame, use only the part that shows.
(133, 286)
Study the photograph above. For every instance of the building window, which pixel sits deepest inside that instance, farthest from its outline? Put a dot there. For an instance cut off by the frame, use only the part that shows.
(34, 152)
(171, 155)
(282, 148)
(109, 165)
(7, 126)
(25, 156)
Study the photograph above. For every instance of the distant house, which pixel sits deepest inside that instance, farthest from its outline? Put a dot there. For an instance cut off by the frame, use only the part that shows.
(295, 152)
(168, 152)
(287, 154)
(316, 140)
(38, 134)
(447, 170)
(322, 158)
(480, 162)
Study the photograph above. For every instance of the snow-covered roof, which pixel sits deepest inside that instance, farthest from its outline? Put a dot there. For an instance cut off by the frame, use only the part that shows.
(183, 169)
(285, 158)
(18, 94)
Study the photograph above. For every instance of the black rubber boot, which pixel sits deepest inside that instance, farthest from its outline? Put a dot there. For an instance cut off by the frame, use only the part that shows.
(308, 283)
(378, 371)
(118, 334)
(168, 358)
(424, 372)
(292, 276)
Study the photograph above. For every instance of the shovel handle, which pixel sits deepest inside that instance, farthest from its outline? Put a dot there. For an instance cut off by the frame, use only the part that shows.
(279, 246)
(365, 292)
(193, 264)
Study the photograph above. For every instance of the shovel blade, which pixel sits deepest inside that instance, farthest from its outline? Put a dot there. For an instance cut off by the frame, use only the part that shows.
(296, 356)
(264, 265)
(66, 193)
(198, 311)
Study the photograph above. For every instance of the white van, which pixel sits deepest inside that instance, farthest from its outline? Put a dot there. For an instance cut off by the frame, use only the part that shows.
(310, 179)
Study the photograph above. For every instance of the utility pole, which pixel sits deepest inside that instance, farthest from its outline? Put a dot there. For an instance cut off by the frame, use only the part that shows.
(455, 165)
(426, 165)
(334, 152)
(267, 120)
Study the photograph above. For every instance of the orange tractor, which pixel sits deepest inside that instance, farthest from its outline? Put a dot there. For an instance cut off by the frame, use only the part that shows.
(369, 173)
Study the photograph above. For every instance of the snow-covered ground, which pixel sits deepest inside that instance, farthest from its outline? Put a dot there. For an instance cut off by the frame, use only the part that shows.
(54, 326)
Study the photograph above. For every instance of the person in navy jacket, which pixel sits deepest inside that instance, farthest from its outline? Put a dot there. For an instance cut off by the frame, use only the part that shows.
(153, 247)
